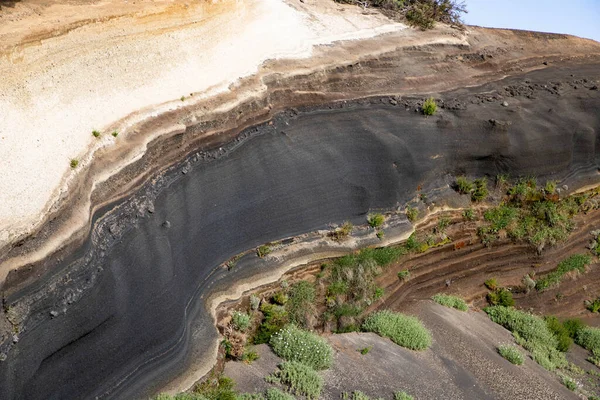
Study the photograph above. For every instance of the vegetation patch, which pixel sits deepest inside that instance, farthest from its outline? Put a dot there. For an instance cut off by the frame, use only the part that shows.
(295, 344)
(376, 220)
(96, 133)
(300, 306)
(301, 379)
(404, 275)
(576, 263)
(501, 297)
(532, 333)
(412, 214)
(275, 318)
(569, 383)
(276, 394)
(589, 338)
(74, 163)
(450, 301)
(429, 106)
(341, 233)
(406, 331)
(402, 396)
(263, 250)
(240, 321)
(511, 353)
(491, 284)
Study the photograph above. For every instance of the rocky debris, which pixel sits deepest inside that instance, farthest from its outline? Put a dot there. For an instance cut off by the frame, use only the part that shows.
(53, 314)
(166, 224)
(504, 104)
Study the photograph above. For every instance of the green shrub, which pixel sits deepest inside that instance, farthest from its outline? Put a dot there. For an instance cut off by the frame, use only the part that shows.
(491, 284)
(280, 298)
(594, 306)
(96, 133)
(469, 214)
(577, 262)
(404, 275)
(222, 390)
(240, 321)
(480, 192)
(569, 383)
(550, 187)
(404, 330)
(383, 256)
(588, 338)
(263, 250)
(115, 134)
(276, 394)
(531, 332)
(511, 353)
(300, 305)
(412, 214)
(450, 301)
(463, 185)
(301, 378)
(561, 333)
(250, 356)
(380, 235)
(573, 326)
(342, 232)
(402, 396)
(294, 344)
(429, 106)
(364, 350)
(424, 13)
(501, 297)
(250, 396)
(376, 220)
(74, 163)
(275, 319)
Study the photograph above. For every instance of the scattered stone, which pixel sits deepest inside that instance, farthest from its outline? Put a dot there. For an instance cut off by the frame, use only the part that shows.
(166, 224)
(595, 87)
(54, 313)
(545, 63)
(15, 339)
(565, 188)
(393, 102)
(504, 104)
(3, 357)
(448, 282)
(150, 208)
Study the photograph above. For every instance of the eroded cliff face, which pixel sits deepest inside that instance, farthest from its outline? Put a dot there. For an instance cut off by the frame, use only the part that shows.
(111, 297)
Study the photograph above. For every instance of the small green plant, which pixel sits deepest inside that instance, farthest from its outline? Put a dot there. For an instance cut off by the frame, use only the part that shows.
(364, 350)
(280, 298)
(240, 321)
(376, 220)
(295, 344)
(560, 332)
(115, 134)
(302, 379)
(402, 396)
(276, 394)
(501, 297)
(463, 185)
(550, 187)
(182, 98)
(443, 223)
(342, 232)
(511, 354)
(491, 284)
(450, 301)
(250, 356)
(380, 235)
(276, 318)
(412, 213)
(469, 214)
(263, 250)
(594, 306)
(74, 163)
(96, 133)
(404, 330)
(480, 192)
(429, 106)
(569, 383)
(404, 275)
(254, 302)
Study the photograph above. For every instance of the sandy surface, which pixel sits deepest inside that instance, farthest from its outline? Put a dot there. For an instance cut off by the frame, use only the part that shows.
(70, 69)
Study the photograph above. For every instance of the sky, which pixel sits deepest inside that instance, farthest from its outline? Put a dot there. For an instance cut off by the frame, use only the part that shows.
(575, 17)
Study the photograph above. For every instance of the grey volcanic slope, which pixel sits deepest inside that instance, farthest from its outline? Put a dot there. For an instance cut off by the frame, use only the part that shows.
(125, 314)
